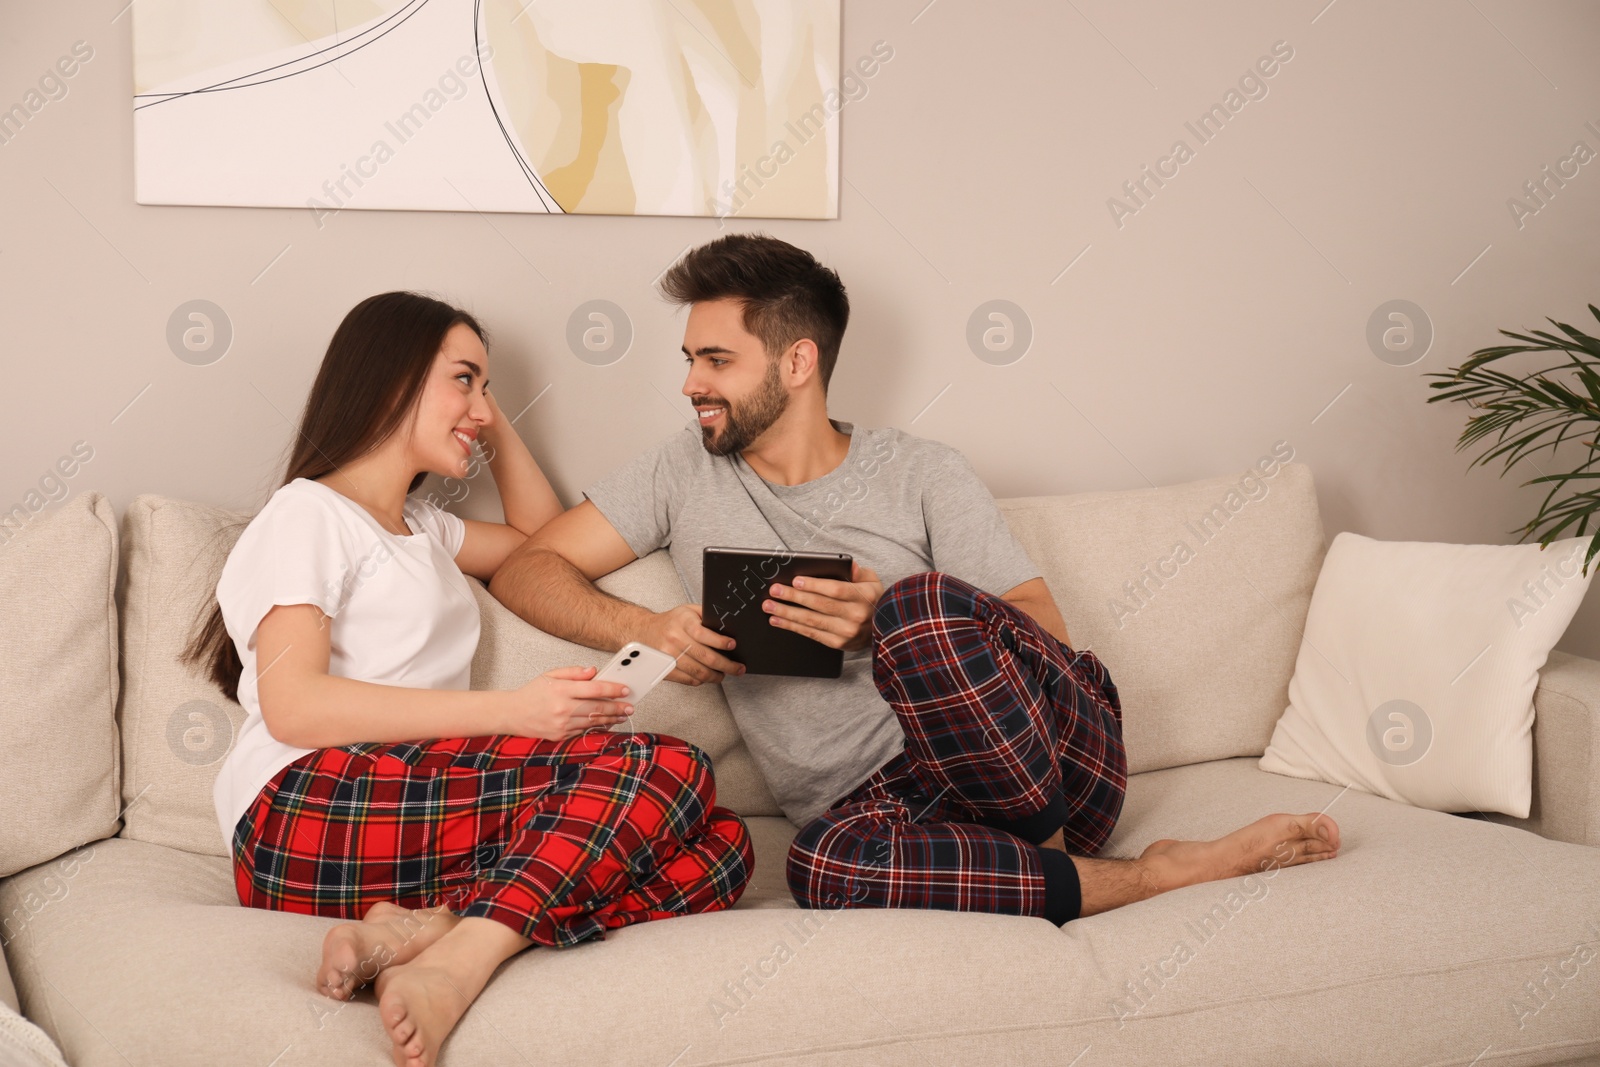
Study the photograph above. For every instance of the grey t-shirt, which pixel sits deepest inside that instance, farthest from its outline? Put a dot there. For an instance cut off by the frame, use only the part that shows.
(898, 504)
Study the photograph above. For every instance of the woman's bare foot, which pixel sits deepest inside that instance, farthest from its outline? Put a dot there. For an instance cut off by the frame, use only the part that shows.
(419, 1006)
(1275, 840)
(355, 953)
(420, 1002)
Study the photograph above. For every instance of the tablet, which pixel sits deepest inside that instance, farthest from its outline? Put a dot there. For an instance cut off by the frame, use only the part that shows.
(735, 582)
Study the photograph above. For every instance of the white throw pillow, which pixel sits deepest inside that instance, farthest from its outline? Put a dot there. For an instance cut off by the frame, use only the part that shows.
(1417, 668)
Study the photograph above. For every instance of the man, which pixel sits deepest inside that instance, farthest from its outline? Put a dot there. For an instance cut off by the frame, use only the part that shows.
(968, 758)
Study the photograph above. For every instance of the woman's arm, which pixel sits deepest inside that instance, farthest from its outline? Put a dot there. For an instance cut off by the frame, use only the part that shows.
(525, 496)
(525, 493)
(305, 706)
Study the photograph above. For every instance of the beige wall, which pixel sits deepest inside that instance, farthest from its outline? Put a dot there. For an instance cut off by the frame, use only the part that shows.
(1222, 317)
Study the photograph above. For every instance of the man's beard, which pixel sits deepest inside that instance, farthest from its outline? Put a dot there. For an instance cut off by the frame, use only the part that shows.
(742, 425)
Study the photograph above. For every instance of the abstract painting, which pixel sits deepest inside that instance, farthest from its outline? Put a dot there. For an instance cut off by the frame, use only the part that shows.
(613, 107)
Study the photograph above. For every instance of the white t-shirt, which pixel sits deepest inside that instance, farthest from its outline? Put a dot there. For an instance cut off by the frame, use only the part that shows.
(400, 610)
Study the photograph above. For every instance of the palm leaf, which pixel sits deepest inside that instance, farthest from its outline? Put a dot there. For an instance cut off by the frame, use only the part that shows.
(1518, 416)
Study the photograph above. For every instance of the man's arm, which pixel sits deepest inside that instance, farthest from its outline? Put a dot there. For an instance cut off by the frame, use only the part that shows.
(1034, 597)
(549, 582)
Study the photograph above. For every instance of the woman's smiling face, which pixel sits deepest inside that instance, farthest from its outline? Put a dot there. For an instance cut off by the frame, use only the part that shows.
(452, 405)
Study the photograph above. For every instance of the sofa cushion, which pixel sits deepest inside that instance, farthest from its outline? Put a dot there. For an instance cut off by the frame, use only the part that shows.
(1417, 670)
(58, 688)
(147, 960)
(177, 726)
(1192, 595)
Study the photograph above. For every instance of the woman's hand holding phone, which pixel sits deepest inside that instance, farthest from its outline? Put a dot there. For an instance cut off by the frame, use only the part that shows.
(565, 702)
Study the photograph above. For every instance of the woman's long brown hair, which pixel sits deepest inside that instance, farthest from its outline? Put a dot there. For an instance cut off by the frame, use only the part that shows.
(370, 381)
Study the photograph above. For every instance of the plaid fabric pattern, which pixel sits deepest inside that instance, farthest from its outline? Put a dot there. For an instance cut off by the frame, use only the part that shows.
(558, 840)
(999, 718)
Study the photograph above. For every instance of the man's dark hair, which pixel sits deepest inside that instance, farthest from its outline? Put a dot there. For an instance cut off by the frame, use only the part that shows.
(787, 295)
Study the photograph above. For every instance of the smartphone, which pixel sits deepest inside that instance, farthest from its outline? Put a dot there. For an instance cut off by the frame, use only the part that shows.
(639, 667)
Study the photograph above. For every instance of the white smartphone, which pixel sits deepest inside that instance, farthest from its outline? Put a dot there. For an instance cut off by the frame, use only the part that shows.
(639, 667)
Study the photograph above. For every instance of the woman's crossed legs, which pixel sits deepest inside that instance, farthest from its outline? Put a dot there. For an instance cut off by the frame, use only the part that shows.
(460, 852)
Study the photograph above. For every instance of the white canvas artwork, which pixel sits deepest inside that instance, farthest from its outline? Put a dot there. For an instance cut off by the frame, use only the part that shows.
(618, 107)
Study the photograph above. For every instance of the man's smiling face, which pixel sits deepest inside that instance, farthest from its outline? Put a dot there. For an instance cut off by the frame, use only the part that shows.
(736, 388)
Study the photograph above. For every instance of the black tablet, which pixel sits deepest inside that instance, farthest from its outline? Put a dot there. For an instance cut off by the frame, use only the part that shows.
(735, 582)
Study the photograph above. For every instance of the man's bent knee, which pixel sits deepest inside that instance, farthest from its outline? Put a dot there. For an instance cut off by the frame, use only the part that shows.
(831, 863)
(913, 597)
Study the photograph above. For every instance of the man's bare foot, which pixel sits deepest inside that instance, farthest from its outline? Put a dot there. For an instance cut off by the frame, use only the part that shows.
(1272, 841)
(355, 953)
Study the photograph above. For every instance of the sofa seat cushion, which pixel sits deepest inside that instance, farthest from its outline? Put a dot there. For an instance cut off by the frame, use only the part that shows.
(1421, 943)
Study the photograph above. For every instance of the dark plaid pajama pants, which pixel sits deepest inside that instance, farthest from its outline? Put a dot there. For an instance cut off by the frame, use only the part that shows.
(560, 841)
(1010, 735)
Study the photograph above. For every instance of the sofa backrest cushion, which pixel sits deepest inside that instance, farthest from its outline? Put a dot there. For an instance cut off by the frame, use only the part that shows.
(58, 682)
(1194, 596)
(177, 726)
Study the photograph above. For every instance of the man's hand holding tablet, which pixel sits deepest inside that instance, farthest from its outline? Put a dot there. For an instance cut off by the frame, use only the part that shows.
(791, 613)
(831, 611)
(838, 614)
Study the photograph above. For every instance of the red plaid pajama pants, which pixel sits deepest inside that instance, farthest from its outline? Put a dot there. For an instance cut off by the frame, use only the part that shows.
(1010, 734)
(560, 841)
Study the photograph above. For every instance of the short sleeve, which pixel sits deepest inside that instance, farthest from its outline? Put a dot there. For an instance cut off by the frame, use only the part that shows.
(635, 498)
(449, 530)
(295, 551)
(967, 534)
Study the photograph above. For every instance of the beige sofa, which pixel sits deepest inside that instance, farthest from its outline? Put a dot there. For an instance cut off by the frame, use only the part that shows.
(1432, 939)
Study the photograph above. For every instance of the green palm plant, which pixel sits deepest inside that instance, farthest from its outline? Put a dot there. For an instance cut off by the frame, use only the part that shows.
(1535, 411)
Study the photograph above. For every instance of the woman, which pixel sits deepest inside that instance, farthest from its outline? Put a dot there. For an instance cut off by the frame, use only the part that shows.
(368, 780)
